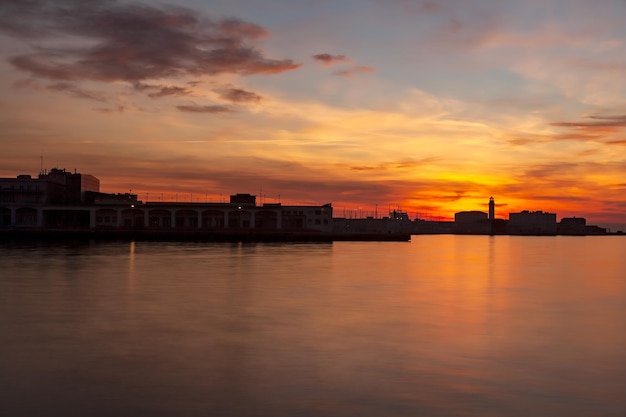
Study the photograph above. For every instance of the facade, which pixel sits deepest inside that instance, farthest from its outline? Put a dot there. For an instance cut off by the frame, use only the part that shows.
(55, 187)
(61, 200)
(573, 226)
(532, 223)
(233, 216)
(470, 216)
(472, 222)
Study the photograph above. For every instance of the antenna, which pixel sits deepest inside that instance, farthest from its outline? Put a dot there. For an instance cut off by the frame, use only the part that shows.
(41, 169)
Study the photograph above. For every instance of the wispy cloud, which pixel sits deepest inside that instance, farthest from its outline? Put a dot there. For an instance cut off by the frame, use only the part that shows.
(352, 71)
(396, 165)
(238, 95)
(156, 91)
(597, 121)
(213, 109)
(76, 91)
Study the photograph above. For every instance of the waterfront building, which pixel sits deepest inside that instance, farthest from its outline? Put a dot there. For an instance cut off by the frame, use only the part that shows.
(63, 200)
(532, 223)
(573, 226)
(30, 202)
(398, 222)
(472, 222)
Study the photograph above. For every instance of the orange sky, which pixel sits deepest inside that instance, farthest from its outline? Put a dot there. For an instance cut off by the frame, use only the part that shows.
(430, 107)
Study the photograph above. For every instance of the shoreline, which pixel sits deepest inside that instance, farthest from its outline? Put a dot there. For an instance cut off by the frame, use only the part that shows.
(202, 235)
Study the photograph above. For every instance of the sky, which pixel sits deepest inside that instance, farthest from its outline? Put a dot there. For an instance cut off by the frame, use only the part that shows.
(430, 107)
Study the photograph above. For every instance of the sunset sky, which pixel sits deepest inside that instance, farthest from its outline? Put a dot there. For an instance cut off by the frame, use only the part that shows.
(427, 106)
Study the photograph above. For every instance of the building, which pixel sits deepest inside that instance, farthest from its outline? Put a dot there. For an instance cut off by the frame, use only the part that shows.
(573, 226)
(532, 223)
(240, 214)
(44, 201)
(472, 222)
(492, 209)
(398, 223)
(470, 217)
(61, 200)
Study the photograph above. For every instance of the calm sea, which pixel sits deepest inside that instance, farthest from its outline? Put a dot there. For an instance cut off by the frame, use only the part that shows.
(439, 326)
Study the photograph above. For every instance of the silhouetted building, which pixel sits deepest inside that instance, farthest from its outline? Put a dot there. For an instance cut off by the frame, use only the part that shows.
(532, 223)
(46, 201)
(428, 227)
(595, 230)
(472, 222)
(67, 188)
(243, 199)
(492, 209)
(572, 226)
(398, 222)
(470, 216)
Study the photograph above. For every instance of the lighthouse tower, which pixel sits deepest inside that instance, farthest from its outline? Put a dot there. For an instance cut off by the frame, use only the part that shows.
(492, 208)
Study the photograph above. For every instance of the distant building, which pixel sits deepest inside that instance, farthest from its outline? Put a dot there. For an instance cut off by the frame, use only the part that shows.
(595, 230)
(472, 222)
(397, 222)
(470, 216)
(432, 227)
(532, 223)
(492, 209)
(573, 226)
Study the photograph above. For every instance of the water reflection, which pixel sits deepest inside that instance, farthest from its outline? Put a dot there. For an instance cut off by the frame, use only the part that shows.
(440, 326)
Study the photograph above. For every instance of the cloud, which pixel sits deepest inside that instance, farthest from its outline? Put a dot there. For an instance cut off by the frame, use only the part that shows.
(328, 59)
(106, 110)
(70, 89)
(404, 164)
(156, 91)
(132, 42)
(76, 91)
(598, 121)
(359, 69)
(213, 109)
(597, 128)
(237, 95)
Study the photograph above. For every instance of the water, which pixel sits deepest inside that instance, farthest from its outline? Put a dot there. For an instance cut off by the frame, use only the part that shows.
(440, 326)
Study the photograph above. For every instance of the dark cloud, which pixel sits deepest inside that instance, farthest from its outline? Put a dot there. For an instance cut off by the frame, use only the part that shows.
(359, 69)
(132, 42)
(205, 109)
(328, 59)
(237, 95)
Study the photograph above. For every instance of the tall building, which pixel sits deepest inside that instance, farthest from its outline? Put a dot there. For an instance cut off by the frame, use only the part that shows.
(492, 208)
